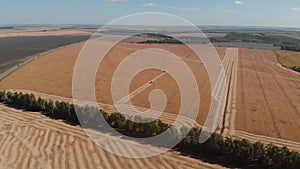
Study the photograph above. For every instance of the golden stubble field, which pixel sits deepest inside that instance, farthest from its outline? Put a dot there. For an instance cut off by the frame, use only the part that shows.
(61, 32)
(268, 96)
(46, 143)
(264, 97)
(31, 140)
(53, 73)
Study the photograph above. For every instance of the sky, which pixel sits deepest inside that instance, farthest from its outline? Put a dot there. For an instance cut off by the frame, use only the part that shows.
(279, 13)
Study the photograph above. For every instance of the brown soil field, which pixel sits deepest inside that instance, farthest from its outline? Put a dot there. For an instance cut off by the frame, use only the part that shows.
(43, 143)
(51, 33)
(267, 96)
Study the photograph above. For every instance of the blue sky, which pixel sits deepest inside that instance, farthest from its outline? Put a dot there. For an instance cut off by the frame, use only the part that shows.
(284, 13)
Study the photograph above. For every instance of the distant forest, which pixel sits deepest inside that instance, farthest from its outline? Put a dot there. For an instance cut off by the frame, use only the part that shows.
(284, 42)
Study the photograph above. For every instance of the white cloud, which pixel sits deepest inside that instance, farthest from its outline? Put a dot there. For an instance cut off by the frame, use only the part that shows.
(296, 9)
(239, 2)
(116, 1)
(182, 8)
(148, 4)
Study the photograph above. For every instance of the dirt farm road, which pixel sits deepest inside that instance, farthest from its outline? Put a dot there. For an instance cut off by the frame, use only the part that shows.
(230, 63)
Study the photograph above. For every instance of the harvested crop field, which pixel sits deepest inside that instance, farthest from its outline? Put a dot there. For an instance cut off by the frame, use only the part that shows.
(268, 96)
(61, 32)
(53, 73)
(45, 143)
(263, 96)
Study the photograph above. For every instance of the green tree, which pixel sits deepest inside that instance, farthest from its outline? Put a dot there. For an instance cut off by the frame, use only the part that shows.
(3, 96)
(49, 106)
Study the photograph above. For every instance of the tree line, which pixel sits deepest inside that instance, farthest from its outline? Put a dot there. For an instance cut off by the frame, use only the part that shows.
(296, 68)
(232, 152)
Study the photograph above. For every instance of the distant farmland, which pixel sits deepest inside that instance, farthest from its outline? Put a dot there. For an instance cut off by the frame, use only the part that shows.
(13, 50)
